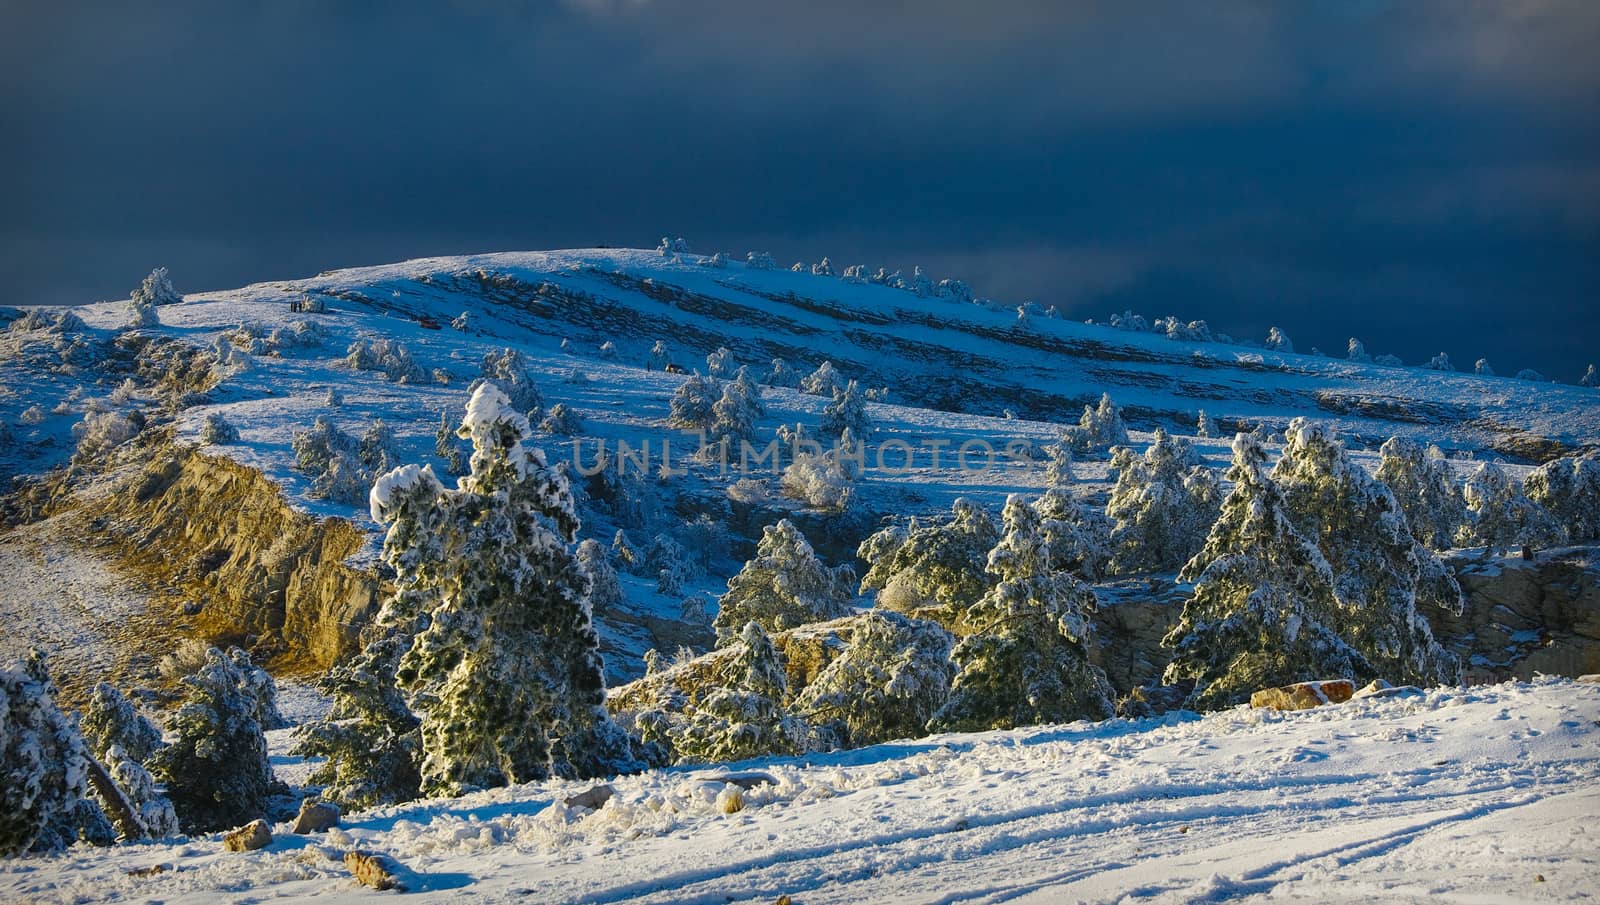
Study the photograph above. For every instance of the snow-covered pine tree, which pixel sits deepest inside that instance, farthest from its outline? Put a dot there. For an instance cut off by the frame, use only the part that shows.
(605, 590)
(1357, 351)
(1532, 376)
(561, 420)
(1079, 536)
(760, 260)
(720, 363)
(734, 416)
(156, 290)
(782, 374)
(509, 371)
(447, 447)
(824, 381)
(1426, 490)
(693, 405)
(1278, 341)
(258, 684)
(217, 431)
(823, 268)
(936, 571)
(110, 720)
(215, 769)
(1027, 658)
(659, 357)
(847, 411)
(783, 586)
(1383, 577)
(1440, 362)
(506, 674)
(150, 807)
(1202, 426)
(820, 482)
(743, 714)
(1262, 600)
(1058, 469)
(1590, 378)
(142, 314)
(1482, 368)
(888, 683)
(376, 449)
(1569, 489)
(42, 763)
(1099, 428)
(1502, 516)
(1162, 506)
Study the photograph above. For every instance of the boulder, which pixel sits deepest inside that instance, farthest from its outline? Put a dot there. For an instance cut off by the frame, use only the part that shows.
(248, 838)
(371, 869)
(1304, 695)
(593, 799)
(316, 816)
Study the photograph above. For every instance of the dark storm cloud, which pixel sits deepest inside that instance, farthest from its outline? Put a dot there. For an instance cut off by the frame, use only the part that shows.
(1425, 175)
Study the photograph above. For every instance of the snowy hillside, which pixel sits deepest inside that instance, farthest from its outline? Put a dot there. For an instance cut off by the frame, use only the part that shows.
(1466, 795)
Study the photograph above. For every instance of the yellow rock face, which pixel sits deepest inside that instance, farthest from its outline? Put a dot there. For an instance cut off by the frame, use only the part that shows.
(1304, 695)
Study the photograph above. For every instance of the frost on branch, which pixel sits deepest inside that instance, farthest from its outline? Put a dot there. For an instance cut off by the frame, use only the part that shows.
(783, 586)
(935, 571)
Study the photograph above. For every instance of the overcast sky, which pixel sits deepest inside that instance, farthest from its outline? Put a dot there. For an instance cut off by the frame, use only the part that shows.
(1424, 175)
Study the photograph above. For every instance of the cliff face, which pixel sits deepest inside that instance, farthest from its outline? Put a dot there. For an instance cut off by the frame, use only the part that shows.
(223, 535)
(1524, 618)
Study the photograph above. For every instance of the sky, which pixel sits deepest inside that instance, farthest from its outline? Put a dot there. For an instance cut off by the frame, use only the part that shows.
(1423, 175)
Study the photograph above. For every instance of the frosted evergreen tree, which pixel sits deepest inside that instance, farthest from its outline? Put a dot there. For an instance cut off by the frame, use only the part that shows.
(824, 381)
(1162, 506)
(1426, 490)
(561, 420)
(215, 769)
(508, 370)
(333, 398)
(217, 431)
(1532, 376)
(1278, 341)
(743, 715)
(760, 260)
(847, 411)
(156, 290)
(605, 590)
(506, 674)
(820, 482)
(693, 406)
(1027, 658)
(1590, 378)
(1058, 468)
(150, 807)
(1357, 351)
(823, 268)
(42, 762)
(888, 683)
(659, 357)
(608, 351)
(376, 449)
(448, 447)
(1383, 577)
(1569, 489)
(1099, 428)
(937, 570)
(110, 720)
(1482, 369)
(1202, 426)
(462, 321)
(720, 363)
(1502, 516)
(782, 374)
(855, 273)
(783, 586)
(257, 683)
(1262, 601)
(734, 416)
(1079, 536)
(142, 314)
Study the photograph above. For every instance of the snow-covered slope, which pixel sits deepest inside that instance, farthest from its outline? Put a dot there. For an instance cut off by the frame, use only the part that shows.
(1482, 795)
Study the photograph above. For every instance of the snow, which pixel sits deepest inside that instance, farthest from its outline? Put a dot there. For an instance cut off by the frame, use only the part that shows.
(1465, 794)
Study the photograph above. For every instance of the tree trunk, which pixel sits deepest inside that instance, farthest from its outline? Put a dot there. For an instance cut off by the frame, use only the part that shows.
(114, 802)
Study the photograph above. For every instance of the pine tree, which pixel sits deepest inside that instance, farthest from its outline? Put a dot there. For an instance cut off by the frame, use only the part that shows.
(1079, 536)
(142, 314)
(150, 807)
(1426, 490)
(1027, 659)
(887, 684)
(1383, 577)
(734, 416)
(1162, 506)
(782, 375)
(215, 770)
(1590, 378)
(42, 763)
(1058, 471)
(217, 431)
(720, 363)
(937, 571)
(847, 411)
(508, 660)
(659, 357)
(508, 370)
(605, 590)
(1502, 515)
(743, 715)
(1099, 428)
(1202, 426)
(1278, 341)
(824, 381)
(258, 684)
(1482, 368)
(156, 290)
(110, 720)
(693, 406)
(1262, 599)
(783, 586)
(1569, 489)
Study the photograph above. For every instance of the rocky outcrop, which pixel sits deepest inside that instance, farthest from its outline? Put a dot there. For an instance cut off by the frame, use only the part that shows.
(1303, 695)
(262, 571)
(1526, 617)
